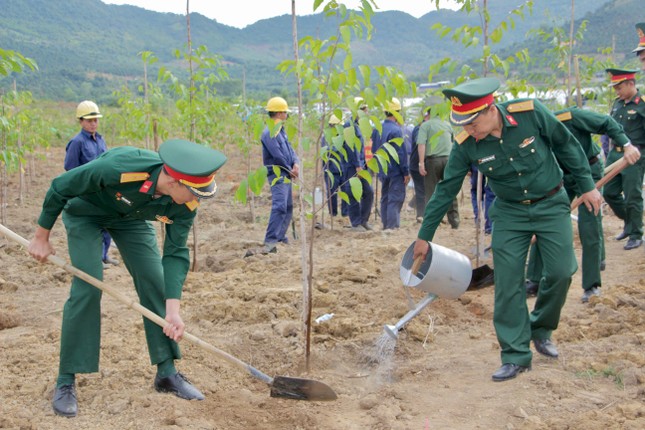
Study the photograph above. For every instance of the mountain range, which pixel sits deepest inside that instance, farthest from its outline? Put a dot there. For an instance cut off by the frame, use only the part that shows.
(88, 49)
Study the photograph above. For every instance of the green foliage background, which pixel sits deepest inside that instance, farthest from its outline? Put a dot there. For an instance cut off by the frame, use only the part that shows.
(87, 49)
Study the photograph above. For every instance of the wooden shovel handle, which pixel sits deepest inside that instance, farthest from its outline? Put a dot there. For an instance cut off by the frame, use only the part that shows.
(137, 307)
(416, 265)
(610, 172)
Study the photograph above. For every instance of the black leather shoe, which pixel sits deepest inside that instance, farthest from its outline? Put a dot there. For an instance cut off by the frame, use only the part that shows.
(602, 265)
(178, 385)
(531, 288)
(509, 371)
(623, 235)
(588, 294)
(64, 402)
(546, 347)
(633, 244)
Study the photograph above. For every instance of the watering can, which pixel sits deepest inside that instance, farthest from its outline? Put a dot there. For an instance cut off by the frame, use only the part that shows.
(443, 273)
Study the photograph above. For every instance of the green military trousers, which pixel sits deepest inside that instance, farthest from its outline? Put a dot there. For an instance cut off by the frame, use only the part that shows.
(590, 233)
(624, 194)
(137, 243)
(515, 224)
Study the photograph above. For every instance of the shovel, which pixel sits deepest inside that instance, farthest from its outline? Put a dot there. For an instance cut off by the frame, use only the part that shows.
(482, 276)
(281, 386)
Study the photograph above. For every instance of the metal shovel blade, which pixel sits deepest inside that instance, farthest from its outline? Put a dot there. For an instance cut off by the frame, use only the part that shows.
(482, 276)
(301, 389)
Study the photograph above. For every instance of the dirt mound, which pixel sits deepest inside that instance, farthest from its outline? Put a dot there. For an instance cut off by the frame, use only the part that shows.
(437, 374)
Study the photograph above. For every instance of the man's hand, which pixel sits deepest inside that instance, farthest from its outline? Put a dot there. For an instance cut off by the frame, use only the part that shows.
(592, 200)
(421, 248)
(295, 171)
(422, 169)
(175, 327)
(631, 154)
(39, 247)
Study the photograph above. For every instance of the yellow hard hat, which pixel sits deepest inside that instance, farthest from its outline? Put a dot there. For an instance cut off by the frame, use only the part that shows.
(277, 104)
(393, 105)
(333, 120)
(87, 110)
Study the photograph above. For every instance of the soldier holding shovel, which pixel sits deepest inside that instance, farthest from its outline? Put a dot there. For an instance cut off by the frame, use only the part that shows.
(121, 191)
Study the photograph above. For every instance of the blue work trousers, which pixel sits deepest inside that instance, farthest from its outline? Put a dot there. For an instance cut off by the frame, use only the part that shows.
(392, 198)
(281, 213)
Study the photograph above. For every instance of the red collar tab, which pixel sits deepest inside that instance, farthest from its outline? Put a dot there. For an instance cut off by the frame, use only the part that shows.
(511, 120)
(145, 187)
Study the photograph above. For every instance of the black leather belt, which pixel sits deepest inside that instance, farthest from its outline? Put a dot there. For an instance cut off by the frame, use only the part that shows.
(549, 194)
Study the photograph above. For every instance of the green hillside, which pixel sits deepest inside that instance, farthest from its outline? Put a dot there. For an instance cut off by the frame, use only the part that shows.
(87, 49)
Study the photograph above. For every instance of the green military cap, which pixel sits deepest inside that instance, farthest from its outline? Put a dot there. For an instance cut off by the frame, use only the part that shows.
(470, 98)
(192, 164)
(640, 30)
(619, 75)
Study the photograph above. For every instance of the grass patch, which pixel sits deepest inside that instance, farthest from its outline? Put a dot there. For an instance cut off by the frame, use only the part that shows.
(608, 372)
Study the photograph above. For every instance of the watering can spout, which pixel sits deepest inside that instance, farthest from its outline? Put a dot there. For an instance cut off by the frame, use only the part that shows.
(391, 330)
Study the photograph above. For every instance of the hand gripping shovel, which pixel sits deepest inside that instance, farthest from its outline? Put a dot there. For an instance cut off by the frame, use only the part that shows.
(281, 386)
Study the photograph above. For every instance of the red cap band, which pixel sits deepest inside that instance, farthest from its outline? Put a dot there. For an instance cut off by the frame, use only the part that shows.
(471, 107)
(193, 181)
(620, 78)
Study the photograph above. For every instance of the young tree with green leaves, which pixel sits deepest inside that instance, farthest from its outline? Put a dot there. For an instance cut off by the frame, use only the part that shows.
(14, 123)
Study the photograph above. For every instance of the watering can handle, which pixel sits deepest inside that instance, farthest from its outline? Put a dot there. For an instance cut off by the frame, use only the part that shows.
(416, 265)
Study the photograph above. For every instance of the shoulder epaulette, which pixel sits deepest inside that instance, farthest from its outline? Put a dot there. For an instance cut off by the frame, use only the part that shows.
(134, 176)
(564, 116)
(461, 137)
(192, 205)
(524, 106)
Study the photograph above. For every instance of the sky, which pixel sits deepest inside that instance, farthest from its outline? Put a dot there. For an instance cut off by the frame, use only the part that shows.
(240, 13)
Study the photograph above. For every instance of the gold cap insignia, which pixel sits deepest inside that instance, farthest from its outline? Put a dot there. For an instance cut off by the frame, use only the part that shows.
(455, 101)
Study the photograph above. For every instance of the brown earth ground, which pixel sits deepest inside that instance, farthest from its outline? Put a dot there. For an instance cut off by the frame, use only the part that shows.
(437, 378)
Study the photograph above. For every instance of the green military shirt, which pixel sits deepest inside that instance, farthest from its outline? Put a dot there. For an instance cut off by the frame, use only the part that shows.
(121, 184)
(631, 115)
(521, 165)
(437, 136)
(583, 123)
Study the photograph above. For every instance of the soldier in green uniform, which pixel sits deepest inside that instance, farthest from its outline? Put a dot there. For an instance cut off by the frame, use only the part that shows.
(582, 124)
(640, 49)
(514, 144)
(121, 191)
(623, 193)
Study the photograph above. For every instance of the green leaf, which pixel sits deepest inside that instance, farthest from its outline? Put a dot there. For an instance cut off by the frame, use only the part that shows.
(365, 175)
(357, 188)
(392, 150)
(241, 193)
(343, 195)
